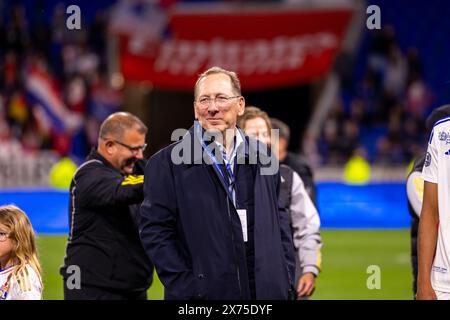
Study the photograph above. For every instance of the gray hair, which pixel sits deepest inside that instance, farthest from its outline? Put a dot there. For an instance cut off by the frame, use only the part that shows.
(215, 70)
(118, 122)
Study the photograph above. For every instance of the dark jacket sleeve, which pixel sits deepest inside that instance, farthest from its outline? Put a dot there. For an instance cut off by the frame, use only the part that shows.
(101, 187)
(158, 230)
(286, 235)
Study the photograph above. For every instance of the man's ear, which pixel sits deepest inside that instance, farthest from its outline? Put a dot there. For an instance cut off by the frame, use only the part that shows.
(241, 106)
(108, 146)
(195, 111)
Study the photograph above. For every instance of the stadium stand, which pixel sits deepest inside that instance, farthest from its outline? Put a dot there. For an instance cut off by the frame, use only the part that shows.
(395, 83)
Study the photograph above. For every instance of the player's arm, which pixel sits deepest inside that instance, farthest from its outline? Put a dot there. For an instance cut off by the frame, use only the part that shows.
(428, 232)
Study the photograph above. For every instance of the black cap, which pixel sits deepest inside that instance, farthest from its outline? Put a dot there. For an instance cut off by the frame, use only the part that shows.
(436, 115)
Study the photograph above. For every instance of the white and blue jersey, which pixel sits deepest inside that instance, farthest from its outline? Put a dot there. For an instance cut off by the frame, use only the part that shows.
(436, 169)
(25, 285)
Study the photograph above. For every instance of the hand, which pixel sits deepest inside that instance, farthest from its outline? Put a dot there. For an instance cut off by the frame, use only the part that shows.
(306, 284)
(426, 292)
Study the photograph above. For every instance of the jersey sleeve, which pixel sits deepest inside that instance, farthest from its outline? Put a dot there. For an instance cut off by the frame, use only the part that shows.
(430, 166)
(26, 286)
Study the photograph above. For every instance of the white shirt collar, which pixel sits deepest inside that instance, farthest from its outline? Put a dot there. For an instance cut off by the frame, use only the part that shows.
(239, 141)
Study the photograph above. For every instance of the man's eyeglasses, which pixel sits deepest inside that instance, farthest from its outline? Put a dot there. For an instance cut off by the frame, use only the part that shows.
(132, 149)
(220, 101)
(3, 236)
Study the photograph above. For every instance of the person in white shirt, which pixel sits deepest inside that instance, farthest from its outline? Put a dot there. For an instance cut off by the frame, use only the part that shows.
(433, 281)
(303, 215)
(414, 189)
(20, 271)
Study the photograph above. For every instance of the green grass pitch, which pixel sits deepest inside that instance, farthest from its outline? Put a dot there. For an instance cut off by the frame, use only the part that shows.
(347, 254)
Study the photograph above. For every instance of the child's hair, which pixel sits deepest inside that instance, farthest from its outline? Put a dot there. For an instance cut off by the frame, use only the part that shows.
(22, 234)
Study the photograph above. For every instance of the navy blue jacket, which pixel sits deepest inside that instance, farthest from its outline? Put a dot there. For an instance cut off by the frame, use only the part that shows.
(191, 231)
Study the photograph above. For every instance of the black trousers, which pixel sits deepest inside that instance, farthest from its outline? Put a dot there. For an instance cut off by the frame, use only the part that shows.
(87, 292)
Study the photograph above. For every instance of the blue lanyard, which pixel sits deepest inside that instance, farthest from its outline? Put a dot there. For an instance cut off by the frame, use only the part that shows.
(231, 177)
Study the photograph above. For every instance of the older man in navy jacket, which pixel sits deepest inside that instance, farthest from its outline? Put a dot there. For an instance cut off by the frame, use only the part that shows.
(210, 220)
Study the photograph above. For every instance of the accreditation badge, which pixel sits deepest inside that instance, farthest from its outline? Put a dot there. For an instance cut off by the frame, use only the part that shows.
(243, 217)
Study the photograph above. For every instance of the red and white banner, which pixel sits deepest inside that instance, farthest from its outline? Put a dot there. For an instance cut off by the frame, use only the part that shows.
(268, 48)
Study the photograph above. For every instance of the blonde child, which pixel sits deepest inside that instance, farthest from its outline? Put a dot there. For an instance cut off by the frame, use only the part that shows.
(20, 271)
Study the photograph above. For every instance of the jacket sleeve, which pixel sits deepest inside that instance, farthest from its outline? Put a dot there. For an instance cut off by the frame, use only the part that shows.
(158, 231)
(97, 186)
(26, 285)
(306, 228)
(286, 235)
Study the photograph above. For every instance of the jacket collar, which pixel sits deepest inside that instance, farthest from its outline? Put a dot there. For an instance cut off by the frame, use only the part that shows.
(94, 154)
(197, 150)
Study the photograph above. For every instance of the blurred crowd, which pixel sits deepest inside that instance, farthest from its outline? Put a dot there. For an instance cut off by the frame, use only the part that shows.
(382, 116)
(54, 91)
